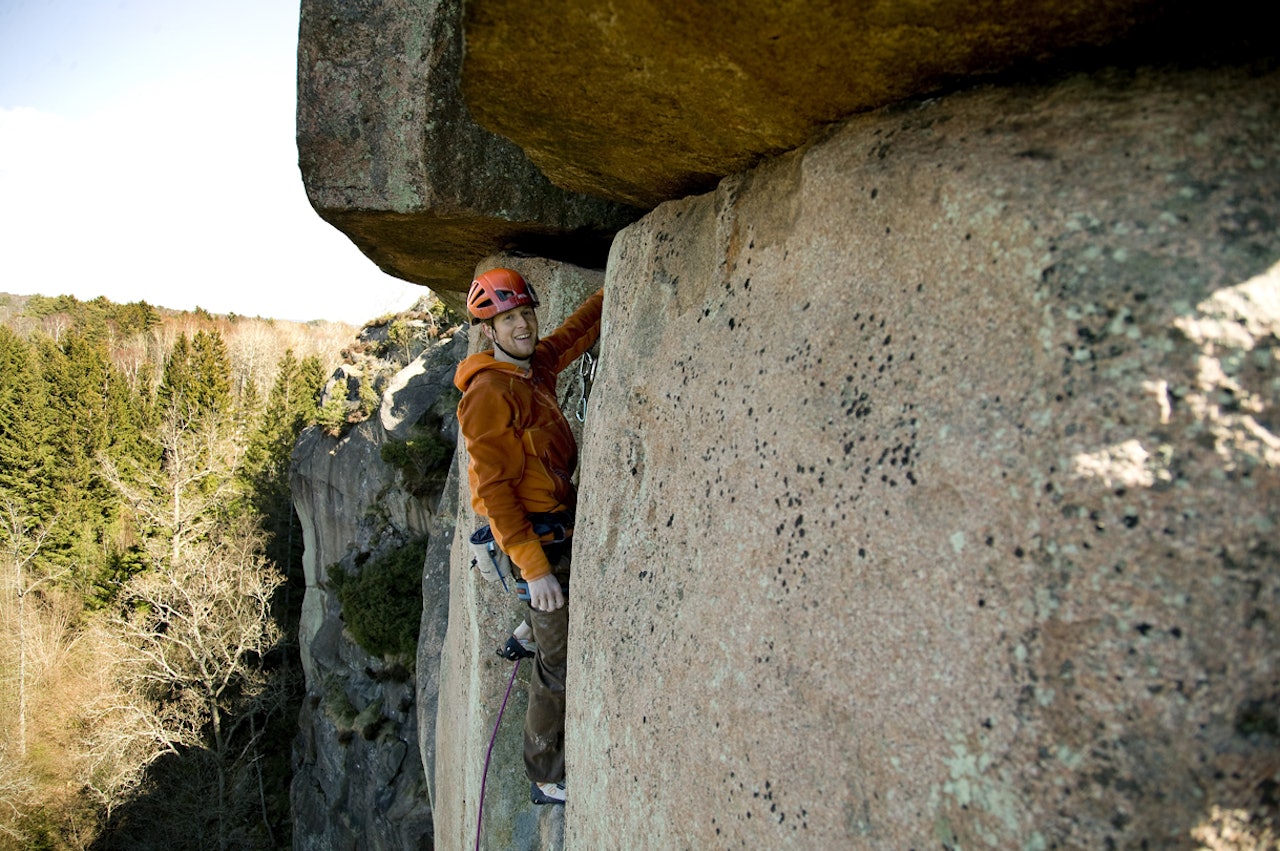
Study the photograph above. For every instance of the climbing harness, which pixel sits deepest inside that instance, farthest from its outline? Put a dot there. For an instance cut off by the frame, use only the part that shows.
(484, 777)
(586, 376)
(495, 565)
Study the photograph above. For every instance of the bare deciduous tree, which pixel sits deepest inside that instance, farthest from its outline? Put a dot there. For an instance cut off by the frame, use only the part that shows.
(23, 544)
(15, 789)
(191, 633)
(187, 667)
(178, 502)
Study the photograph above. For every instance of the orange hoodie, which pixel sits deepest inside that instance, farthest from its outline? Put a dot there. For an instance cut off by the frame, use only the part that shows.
(522, 451)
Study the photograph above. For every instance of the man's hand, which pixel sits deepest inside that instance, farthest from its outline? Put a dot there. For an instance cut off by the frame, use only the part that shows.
(545, 593)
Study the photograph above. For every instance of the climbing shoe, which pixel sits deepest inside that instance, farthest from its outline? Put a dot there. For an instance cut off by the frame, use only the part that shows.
(547, 793)
(515, 649)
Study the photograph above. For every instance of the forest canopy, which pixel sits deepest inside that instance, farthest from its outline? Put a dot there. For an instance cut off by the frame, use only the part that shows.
(146, 550)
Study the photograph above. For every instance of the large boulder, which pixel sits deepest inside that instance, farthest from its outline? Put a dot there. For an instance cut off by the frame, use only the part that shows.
(930, 486)
(390, 156)
(432, 134)
(652, 100)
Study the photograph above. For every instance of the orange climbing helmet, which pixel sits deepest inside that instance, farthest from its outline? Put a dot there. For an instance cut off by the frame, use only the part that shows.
(498, 291)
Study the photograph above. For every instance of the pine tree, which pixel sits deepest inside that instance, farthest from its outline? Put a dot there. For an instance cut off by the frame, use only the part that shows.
(175, 383)
(197, 377)
(28, 464)
(210, 388)
(291, 406)
(137, 317)
(92, 415)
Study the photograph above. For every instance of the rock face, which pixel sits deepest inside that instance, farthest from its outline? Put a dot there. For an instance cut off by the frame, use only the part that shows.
(359, 781)
(930, 475)
(390, 156)
(931, 481)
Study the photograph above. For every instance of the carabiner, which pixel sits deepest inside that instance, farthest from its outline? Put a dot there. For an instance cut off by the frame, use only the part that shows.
(586, 375)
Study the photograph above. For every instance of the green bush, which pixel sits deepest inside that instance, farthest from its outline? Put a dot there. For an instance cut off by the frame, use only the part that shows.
(337, 706)
(332, 416)
(382, 604)
(423, 460)
(400, 335)
(370, 398)
(445, 316)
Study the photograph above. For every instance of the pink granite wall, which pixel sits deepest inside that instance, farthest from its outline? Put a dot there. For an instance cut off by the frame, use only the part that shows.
(930, 485)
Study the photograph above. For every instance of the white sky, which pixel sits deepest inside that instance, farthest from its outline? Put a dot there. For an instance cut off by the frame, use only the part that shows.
(147, 153)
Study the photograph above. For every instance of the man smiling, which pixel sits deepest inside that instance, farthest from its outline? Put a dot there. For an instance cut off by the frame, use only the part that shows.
(523, 456)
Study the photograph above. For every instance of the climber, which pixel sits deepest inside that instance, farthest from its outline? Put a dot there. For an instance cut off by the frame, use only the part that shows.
(523, 456)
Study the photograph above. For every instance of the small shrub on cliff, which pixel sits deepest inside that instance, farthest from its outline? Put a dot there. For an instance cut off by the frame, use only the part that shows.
(445, 316)
(423, 460)
(337, 705)
(370, 399)
(382, 604)
(332, 416)
(401, 337)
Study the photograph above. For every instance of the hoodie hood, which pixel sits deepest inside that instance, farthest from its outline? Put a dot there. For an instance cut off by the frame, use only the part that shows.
(475, 364)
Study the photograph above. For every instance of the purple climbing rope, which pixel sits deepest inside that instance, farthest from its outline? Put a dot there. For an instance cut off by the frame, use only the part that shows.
(485, 776)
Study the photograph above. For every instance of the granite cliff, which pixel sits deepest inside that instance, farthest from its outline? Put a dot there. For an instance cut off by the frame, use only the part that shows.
(358, 780)
(932, 465)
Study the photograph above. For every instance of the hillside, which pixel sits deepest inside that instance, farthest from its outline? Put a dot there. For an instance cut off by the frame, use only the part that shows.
(139, 332)
(150, 576)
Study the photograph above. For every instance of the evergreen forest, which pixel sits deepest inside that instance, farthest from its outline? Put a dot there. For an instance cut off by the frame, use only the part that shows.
(150, 572)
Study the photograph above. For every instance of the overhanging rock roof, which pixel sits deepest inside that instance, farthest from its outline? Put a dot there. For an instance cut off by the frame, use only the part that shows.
(563, 121)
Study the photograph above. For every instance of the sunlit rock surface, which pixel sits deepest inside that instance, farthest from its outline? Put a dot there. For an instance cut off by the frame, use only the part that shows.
(647, 101)
(931, 481)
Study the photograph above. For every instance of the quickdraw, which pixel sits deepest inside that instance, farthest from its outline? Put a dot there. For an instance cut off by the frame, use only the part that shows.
(586, 375)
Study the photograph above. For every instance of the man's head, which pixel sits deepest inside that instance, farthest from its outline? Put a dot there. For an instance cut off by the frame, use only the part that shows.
(503, 303)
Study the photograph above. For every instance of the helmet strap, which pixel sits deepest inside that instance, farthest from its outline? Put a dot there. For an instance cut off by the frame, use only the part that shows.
(503, 354)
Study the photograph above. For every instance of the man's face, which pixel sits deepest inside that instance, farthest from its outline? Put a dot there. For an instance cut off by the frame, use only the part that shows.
(516, 331)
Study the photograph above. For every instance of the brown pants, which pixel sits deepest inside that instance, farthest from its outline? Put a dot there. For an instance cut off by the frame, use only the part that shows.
(544, 720)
